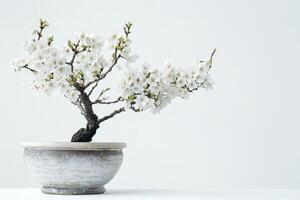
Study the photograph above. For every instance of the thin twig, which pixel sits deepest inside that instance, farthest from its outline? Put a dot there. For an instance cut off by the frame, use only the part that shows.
(98, 101)
(78, 103)
(75, 52)
(127, 30)
(39, 33)
(102, 92)
(211, 58)
(28, 68)
(91, 91)
(111, 67)
(212, 54)
(103, 75)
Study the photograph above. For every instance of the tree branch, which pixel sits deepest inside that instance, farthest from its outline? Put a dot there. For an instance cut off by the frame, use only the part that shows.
(28, 68)
(111, 67)
(75, 52)
(103, 75)
(43, 25)
(93, 88)
(79, 105)
(211, 58)
(111, 115)
(120, 47)
(98, 101)
(102, 92)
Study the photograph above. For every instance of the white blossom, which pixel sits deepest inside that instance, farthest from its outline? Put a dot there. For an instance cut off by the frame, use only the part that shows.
(87, 57)
(154, 90)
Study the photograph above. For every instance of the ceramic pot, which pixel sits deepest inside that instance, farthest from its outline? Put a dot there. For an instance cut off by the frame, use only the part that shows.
(73, 168)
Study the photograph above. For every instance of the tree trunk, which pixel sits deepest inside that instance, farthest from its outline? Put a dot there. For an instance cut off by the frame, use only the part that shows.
(86, 134)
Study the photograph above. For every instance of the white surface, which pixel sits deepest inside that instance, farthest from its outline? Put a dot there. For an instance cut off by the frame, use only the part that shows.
(244, 133)
(141, 194)
(74, 145)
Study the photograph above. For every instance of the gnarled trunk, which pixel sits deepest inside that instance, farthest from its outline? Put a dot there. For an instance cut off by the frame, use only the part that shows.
(86, 134)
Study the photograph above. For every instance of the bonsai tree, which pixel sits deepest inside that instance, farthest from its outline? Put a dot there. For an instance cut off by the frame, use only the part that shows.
(79, 67)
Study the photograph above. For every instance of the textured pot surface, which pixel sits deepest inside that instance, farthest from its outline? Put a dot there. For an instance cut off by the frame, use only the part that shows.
(73, 168)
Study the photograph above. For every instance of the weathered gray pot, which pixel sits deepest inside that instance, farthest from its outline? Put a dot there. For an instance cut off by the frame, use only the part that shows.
(73, 168)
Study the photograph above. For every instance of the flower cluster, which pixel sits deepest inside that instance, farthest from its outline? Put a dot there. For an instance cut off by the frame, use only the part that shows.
(76, 64)
(87, 59)
(152, 89)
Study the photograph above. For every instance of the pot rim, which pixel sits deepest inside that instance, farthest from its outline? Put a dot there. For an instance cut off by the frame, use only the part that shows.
(74, 145)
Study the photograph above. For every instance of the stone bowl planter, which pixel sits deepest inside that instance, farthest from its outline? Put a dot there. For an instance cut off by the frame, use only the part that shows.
(73, 168)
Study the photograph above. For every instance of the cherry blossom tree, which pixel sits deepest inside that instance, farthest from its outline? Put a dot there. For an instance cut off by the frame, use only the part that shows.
(76, 69)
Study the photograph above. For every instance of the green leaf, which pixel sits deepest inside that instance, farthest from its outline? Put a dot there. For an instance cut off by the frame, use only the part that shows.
(131, 98)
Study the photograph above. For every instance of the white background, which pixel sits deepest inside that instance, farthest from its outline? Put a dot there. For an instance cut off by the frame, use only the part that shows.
(242, 134)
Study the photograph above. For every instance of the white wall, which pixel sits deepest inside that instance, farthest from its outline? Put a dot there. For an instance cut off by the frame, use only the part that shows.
(244, 133)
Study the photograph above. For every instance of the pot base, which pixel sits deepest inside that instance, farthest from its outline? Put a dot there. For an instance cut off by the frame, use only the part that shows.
(72, 191)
